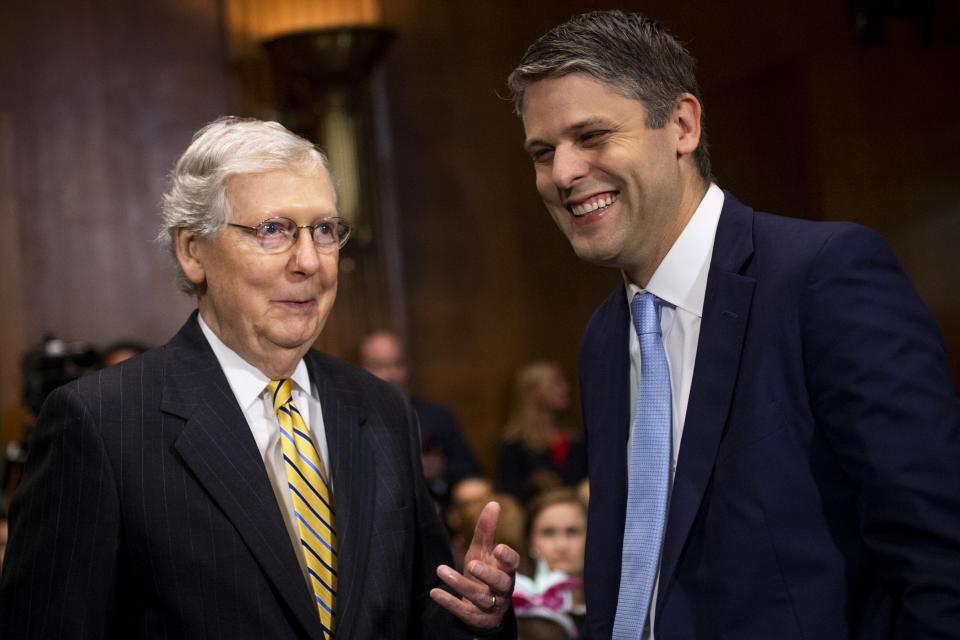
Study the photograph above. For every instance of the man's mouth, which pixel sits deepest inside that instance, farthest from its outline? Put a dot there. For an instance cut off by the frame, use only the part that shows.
(593, 203)
(297, 304)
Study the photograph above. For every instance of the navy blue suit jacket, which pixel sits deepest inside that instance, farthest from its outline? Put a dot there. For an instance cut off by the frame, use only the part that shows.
(817, 489)
(145, 511)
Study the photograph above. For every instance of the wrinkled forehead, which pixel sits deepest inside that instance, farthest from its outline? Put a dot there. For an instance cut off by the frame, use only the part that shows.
(281, 187)
(306, 168)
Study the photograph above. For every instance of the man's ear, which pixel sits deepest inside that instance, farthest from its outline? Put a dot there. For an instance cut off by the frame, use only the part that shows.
(686, 115)
(187, 244)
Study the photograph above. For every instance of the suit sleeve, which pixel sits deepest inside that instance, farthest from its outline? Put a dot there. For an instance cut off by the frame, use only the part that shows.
(59, 576)
(881, 388)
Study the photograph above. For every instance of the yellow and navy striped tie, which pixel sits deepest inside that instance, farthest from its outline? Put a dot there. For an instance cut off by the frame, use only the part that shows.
(313, 509)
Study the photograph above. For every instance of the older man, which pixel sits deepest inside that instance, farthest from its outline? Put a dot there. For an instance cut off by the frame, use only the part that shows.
(234, 483)
(772, 427)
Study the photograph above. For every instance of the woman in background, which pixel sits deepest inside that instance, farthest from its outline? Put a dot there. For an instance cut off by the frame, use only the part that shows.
(556, 536)
(542, 448)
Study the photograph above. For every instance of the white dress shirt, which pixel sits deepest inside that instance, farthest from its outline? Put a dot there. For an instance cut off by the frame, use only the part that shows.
(681, 283)
(249, 385)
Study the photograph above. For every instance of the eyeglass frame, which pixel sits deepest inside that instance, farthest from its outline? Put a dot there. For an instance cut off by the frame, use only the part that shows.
(296, 231)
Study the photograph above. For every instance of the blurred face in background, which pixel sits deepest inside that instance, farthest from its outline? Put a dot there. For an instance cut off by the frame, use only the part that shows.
(381, 353)
(553, 391)
(463, 493)
(558, 536)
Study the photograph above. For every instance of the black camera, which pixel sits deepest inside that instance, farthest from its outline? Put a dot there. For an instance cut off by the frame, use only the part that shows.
(52, 364)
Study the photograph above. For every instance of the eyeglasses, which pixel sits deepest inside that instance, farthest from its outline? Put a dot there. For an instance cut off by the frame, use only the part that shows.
(278, 234)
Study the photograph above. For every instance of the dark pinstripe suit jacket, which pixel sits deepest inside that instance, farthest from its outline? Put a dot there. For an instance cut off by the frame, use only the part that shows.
(145, 511)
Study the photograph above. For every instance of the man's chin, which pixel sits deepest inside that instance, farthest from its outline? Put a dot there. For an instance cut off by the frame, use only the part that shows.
(295, 339)
(590, 252)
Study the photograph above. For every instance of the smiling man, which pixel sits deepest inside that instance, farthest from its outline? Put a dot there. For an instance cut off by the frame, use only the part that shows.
(235, 483)
(772, 427)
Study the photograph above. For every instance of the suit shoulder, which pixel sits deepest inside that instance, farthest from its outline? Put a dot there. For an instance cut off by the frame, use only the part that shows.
(792, 249)
(125, 389)
(784, 234)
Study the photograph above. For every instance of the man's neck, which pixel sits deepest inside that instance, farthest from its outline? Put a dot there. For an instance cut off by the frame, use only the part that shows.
(275, 362)
(690, 199)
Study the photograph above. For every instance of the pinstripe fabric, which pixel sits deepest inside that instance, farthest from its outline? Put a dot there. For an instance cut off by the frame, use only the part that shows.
(312, 504)
(145, 511)
(648, 478)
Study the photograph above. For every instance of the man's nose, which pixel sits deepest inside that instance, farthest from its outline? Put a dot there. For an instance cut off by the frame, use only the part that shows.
(306, 255)
(569, 166)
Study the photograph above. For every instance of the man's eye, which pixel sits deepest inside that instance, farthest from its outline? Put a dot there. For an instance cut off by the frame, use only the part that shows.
(324, 229)
(271, 228)
(541, 155)
(593, 136)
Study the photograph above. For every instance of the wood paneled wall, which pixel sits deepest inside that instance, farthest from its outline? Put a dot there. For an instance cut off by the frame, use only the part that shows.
(802, 121)
(98, 99)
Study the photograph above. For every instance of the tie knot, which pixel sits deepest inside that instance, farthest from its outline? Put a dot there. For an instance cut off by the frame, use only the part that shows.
(645, 310)
(279, 392)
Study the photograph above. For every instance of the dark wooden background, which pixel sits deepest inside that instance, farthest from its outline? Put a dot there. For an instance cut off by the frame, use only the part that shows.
(98, 98)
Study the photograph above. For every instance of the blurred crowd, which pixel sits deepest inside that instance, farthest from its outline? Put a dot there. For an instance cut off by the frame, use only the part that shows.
(44, 368)
(52, 363)
(540, 485)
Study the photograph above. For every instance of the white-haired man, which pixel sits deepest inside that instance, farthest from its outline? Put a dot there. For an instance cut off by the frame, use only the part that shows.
(235, 483)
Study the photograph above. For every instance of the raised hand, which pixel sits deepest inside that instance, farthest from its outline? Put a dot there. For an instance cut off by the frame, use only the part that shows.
(486, 586)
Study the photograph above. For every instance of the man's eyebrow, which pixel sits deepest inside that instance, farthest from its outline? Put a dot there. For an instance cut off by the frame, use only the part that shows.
(586, 123)
(533, 143)
(589, 122)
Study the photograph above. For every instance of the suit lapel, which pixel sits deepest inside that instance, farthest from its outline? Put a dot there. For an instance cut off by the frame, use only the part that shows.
(217, 446)
(350, 467)
(725, 315)
(605, 397)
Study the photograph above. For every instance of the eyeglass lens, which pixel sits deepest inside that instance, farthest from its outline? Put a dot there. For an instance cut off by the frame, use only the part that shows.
(279, 233)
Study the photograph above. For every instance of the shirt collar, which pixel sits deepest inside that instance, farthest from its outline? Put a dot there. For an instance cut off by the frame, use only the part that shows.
(246, 381)
(681, 278)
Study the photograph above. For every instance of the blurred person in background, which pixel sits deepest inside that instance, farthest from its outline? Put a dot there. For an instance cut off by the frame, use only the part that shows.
(52, 363)
(120, 351)
(511, 528)
(556, 540)
(446, 455)
(542, 625)
(542, 446)
(465, 491)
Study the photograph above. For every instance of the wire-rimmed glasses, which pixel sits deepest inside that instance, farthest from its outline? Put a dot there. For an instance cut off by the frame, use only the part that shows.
(279, 234)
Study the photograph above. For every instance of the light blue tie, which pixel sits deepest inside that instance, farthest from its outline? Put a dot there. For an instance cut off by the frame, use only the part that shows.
(648, 474)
